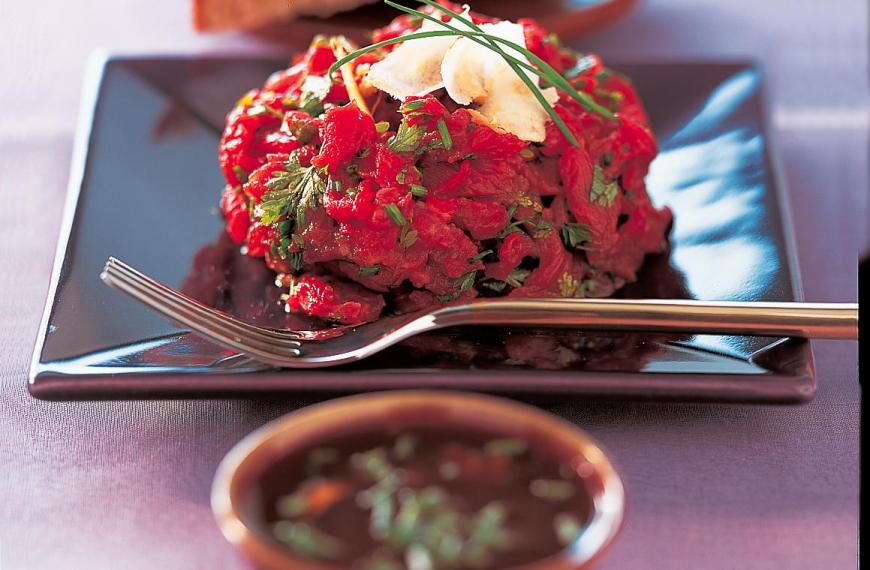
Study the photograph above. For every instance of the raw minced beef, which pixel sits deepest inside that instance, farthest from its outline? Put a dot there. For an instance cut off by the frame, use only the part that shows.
(422, 203)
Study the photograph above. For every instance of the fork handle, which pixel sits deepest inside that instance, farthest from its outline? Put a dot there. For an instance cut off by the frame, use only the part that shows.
(807, 320)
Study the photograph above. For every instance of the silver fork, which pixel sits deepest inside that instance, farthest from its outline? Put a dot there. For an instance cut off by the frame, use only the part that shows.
(313, 349)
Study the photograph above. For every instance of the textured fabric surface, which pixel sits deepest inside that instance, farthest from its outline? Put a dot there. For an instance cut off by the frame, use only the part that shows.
(104, 485)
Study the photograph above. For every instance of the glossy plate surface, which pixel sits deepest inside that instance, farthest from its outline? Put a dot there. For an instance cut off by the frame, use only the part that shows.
(145, 185)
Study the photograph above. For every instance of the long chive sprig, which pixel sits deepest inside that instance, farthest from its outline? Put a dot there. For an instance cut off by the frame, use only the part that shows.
(488, 43)
(544, 70)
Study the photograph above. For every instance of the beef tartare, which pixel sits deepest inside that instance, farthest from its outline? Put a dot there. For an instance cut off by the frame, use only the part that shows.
(421, 172)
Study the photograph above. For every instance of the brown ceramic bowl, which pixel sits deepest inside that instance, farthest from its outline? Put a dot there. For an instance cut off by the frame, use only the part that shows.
(236, 477)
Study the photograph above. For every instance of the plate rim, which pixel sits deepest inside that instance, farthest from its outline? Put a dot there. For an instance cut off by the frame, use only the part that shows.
(45, 382)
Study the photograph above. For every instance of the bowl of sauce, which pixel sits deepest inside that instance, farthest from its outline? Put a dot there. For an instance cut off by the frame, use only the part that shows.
(418, 480)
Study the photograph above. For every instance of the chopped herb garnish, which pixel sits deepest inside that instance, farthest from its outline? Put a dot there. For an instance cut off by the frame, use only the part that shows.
(261, 109)
(552, 489)
(416, 513)
(307, 540)
(312, 104)
(602, 193)
(294, 505)
(291, 193)
(240, 173)
(517, 276)
(493, 285)
(475, 33)
(320, 457)
(446, 140)
(527, 154)
(395, 214)
(406, 139)
(407, 237)
(382, 127)
(574, 235)
(567, 285)
(465, 282)
(613, 99)
(369, 271)
(404, 447)
(412, 106)
(480, 256)
(567, 528)
(296, 261)
(419, 191)
(542, 229)
(373, 462)
(507, 446)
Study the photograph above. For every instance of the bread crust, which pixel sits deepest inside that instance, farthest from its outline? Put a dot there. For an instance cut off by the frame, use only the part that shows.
(211, 15)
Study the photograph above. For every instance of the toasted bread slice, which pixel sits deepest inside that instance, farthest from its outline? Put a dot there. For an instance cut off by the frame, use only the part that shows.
(248, 14)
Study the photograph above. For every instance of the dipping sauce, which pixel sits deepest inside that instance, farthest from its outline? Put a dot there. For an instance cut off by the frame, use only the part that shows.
(426, 496)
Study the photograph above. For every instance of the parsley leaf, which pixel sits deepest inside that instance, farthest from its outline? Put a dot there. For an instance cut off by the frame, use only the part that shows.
(602, 193)
(465, 282)
(480, 256)
(312, 104)
(406, 139)
(291, 192)
(369, 271)
(517, 277)
(574, 234)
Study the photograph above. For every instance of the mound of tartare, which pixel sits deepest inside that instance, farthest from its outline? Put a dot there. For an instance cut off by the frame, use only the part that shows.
(428, 171)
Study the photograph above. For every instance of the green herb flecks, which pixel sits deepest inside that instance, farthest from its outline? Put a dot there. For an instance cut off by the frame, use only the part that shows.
(506, 446)
(419, 191)
(408, 236)
(395, 214)
(240, 173)
(446, 140)
(567, 528)
(369, 271)
(406, 139)
(405, 446)
(262, 109)
(516, 277)
(540, 67)
(307, 540)
(602, 192)
(493, 285)
(292, 192)
(412, 106)
(574, 235)
(480, 256)
(312, 104)
(465, 282)
(568, 285)
(552, 489)
(296, 261)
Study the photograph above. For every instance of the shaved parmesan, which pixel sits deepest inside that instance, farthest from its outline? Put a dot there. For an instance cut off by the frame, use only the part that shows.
(472, 75)
(414, 68)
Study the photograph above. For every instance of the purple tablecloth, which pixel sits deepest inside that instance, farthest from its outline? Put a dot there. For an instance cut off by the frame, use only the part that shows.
(125, 484)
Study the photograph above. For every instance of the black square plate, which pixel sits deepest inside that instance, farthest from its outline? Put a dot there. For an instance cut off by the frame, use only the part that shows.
(145, 185)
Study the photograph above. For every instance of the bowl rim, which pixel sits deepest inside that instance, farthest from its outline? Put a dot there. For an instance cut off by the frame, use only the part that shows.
(250, 454)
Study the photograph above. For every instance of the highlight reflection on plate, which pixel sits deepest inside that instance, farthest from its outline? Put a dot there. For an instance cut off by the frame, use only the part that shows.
(147, 182)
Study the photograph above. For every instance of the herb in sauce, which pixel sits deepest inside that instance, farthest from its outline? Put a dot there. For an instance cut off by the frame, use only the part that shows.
(428, 498)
